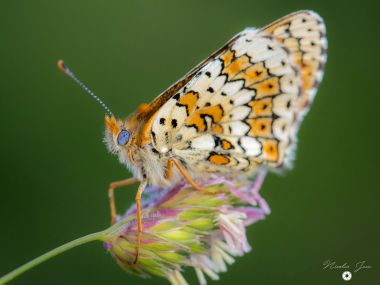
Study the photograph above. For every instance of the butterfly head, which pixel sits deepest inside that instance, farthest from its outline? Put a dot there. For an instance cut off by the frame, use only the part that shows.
(117, 135)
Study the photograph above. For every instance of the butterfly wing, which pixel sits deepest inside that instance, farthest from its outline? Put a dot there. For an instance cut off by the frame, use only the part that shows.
(241, 109)
(304, 34)
(161, 99)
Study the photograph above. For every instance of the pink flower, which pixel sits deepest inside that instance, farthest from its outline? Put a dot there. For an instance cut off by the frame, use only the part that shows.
(183, 228)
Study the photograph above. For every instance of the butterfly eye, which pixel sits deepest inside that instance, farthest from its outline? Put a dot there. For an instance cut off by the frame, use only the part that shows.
(123, 137)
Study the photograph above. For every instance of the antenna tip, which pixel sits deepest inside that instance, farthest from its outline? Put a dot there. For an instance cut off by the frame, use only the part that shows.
(62, 66)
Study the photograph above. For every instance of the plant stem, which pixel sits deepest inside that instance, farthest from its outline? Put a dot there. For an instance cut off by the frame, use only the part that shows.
(29, 265)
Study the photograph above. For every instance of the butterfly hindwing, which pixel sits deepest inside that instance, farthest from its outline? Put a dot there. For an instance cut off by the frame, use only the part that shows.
(304, 34)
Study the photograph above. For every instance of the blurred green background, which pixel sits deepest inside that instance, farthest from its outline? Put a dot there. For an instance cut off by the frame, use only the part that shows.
(55, 169)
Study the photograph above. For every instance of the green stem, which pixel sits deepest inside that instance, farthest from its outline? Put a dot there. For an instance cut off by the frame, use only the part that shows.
(82, 240)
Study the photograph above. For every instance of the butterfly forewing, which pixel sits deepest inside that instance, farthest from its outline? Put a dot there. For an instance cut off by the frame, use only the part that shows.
(241, 110)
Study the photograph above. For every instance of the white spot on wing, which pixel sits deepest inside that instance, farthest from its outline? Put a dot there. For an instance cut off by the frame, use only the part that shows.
(281, 129)
(289, 84)
(218, 83)
(205, 142)
(251, 145)
(238, 128)
(232, 87)
(241, 45)
(243, 97)
(239, 113)
(201, 83)
(280, 105)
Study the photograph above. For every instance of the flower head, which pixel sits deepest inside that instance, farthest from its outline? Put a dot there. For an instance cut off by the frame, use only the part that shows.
(184, 227)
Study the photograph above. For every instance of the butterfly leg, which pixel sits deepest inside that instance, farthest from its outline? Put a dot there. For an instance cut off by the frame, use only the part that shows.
(111, 194)
(139, 221)
(186, 175)
(168, 172)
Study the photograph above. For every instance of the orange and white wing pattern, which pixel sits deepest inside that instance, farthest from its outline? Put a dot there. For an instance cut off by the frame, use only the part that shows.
(304, 34)
(242, 109)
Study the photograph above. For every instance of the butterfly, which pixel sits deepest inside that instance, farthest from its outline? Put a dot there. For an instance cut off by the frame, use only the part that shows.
(237, 111)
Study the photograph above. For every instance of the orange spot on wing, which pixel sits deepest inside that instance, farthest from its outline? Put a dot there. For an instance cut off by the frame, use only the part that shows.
(217, 129)
(226, 145)
(269, 87)
(218, 159)
(237, 65)
(307, 76)
(227, 57)
(253, 74)
(270, 150)
(308, 70)
(261, 127)
(261, 107)
(297, 58)
(189, 100)
(198, 120)
(215, 111)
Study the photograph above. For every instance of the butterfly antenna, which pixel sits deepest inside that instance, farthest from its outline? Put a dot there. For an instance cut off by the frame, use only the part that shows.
(65, 70)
